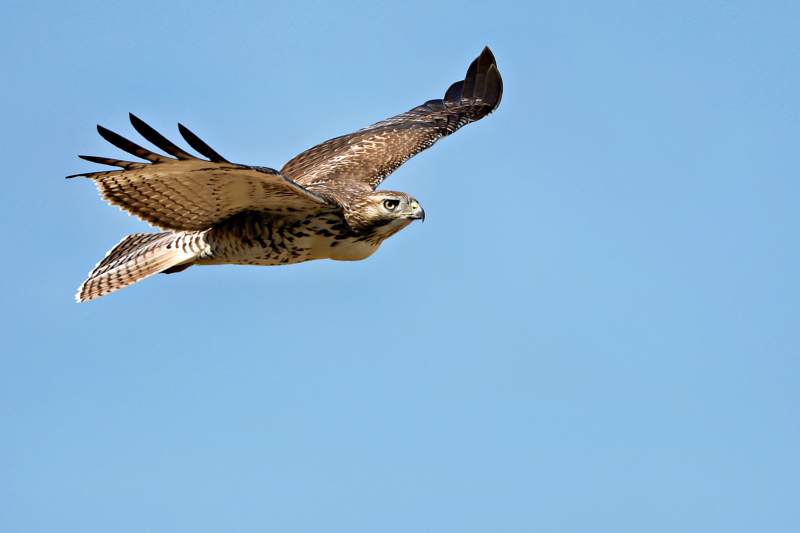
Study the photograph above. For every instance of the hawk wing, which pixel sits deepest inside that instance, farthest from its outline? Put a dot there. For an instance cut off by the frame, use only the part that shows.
(369, 155)
(185, 193)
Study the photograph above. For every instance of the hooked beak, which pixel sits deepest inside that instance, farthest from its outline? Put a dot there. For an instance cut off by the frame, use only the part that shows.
(418, 213)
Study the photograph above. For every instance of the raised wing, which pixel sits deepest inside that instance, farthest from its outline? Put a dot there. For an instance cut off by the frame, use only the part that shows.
(186, 193)
(369, 155)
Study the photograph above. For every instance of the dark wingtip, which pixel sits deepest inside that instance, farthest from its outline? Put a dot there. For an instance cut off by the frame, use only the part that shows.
(157, 139)
(481, 84)
(494, 87)
(124, 144)
(91, 158)
(453, 95)
(199, 145)
(484, 80)
(115, 139)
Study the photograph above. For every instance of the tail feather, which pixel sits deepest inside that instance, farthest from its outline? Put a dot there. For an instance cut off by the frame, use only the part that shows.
(135, 258)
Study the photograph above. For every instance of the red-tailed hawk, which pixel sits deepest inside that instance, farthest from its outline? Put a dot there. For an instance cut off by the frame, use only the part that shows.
(321, 205)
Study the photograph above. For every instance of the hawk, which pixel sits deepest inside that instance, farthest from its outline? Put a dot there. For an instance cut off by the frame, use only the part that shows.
(322, 204)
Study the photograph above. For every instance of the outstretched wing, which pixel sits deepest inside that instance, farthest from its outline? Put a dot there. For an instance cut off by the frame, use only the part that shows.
(186, 193)
(371, 154)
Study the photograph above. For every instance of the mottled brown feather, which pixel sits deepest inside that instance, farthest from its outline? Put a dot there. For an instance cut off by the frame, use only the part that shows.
(369, 155)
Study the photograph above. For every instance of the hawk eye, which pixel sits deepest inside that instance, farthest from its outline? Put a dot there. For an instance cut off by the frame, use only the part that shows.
(391, 205)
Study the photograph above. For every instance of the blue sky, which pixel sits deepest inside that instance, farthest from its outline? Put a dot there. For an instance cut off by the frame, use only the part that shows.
(595, 329)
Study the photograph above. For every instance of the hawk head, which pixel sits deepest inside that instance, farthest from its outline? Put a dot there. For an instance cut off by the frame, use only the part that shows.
(382, 213)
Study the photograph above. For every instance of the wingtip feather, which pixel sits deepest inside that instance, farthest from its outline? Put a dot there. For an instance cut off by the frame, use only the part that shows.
(198, 144)
(128, 146)
(146, 131)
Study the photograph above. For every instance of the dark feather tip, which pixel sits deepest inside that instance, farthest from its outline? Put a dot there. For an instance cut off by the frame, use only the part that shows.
(199, 145)
(157, 139)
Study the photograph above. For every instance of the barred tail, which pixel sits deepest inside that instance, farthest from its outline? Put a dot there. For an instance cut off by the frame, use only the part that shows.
(138, 256)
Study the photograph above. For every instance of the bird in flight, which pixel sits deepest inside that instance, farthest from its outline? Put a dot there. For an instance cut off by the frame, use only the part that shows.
(322, 204)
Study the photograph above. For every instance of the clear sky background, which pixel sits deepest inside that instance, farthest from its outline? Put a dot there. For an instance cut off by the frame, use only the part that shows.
(595, 329)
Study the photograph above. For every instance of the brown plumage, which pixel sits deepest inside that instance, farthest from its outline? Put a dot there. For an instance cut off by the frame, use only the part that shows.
(322, 204)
